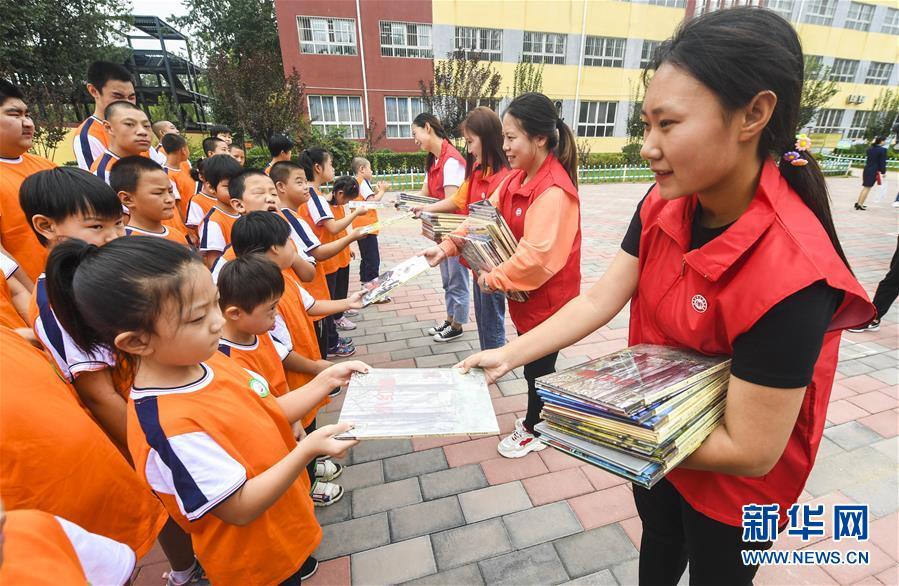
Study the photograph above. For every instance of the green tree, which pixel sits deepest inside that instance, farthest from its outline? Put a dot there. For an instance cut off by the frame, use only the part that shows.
(528, 77)
(884, 115)
(232, 27)
(461, 83)
(164, 109)
(817, 90)
(334, 141)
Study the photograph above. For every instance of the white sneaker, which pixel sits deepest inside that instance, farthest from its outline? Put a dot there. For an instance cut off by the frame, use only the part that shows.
(344, 324)
(438, 328)
(520, 444)
(896, 204)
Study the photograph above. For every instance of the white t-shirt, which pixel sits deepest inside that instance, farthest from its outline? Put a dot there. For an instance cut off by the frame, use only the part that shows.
(103, 560)
(453, 173)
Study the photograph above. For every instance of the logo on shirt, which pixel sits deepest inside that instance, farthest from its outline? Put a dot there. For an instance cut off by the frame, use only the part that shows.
(259, 387)
(517, 211)
(699, 303)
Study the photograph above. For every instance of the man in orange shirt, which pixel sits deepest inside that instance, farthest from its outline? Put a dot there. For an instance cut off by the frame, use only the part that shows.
(106, 83)
(16, 136)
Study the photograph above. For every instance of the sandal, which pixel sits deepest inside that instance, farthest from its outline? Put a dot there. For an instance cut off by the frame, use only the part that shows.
(327, 470)
(325, 494)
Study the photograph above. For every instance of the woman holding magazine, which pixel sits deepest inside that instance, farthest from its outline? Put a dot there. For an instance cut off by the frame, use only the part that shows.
(539, 201)
(733, 251)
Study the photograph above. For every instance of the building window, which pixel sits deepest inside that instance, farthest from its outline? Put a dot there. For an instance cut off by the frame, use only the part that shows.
(488, 42)
(813, 62)
(844, 70)
(543, 48)
(859, 124)
(879, 73)
(400, 114)
(860, 16)
(646, 52)
(604, 52)
(406, 39)
(670, 3)
(330, 112)
(783, 8)
(327, 36)
(890, 24)
(819, 12)
(597, 119)
(829, 122)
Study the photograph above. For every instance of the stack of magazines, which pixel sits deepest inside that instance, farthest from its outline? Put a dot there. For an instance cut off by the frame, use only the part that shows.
(636, 413)
(390, 280)
(413, 200)
(436, 225)
(489, 242)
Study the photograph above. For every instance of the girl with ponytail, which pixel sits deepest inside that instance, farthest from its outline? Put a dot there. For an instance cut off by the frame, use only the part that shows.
(539, 200)
(732, 252)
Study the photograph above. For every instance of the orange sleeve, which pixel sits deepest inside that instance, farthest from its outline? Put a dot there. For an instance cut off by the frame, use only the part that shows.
(460, 198)
(550, 227)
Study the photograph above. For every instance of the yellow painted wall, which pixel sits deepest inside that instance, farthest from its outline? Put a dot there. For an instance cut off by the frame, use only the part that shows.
(848, 44)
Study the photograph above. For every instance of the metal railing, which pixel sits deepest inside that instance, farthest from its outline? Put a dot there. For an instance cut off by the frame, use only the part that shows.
(859, 161)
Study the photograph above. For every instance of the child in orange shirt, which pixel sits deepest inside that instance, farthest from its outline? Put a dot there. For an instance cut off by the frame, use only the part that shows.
(215, 229)
(177, 154)
(238, 153)
(281, 148)
(239, 488)
(345, 189)
(370, 263)
(106, 83)
(146, 190)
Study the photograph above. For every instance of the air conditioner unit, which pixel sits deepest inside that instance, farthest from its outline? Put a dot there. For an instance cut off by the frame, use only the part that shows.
(855, 99)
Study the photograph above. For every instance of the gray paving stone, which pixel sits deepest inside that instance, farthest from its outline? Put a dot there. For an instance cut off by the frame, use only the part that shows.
(436, 360)
(880, 361)
(628, 572)
(327, 418)
(594, 550)
(827, 448)
(339, 511)
(851, 435)
(403, 354)
(368, 339)
(378, 449)
(494, 501)
(447, 347)
(383, 497)
(361, 475)
(387, 347)
(414, 464)
(854, 368)
(394, 563)
(424, 340)
(398, 319)
(889, 447)
(517, 386)
(847, 468)
(888, 375)
(535, 565)
(425, 518)
(352, 536)
(402, 335)
(469, 575)
(601, 578)
(470, 543)
(541, 524)
(453, 481)
(880, 493)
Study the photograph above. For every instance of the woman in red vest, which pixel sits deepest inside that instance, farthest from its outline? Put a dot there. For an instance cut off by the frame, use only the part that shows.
(732, 252)
(486, 167)
(540, 202)
(445, 173)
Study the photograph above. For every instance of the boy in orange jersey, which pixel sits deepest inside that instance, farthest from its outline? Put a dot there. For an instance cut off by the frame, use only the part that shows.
(345, 189)
(215, 229)
(370, 263)
(161, 128)
(146, 190)
(238, 153)
(264, 233)
(16, 163)
(177, 153)
(281, 148)
(106, 83)
(213, 146)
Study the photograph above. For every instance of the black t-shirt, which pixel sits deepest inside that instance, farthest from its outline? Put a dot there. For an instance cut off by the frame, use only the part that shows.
(781, 348)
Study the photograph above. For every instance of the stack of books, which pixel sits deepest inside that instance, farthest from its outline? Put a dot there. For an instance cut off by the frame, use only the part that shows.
(489, 242)
(435, 225)
(636, 413)
(413, 200)
(368, 204)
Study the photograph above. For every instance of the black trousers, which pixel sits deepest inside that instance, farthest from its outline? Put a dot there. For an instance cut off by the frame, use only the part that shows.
(533, 371)
(338, 286)
(674, 533)
(888, 288)
(370, 261)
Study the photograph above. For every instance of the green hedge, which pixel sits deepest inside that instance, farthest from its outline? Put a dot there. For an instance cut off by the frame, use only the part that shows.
(385, 161)
(859, 150)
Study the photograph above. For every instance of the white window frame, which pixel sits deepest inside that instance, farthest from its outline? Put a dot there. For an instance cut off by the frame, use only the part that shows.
(470, 39)
(819, 12)
(829, 121)
(352, 128)
(646, 50)
(859, 17)
(605, 51)
(544, 47)
(890, 24)
(783, 8)
(308, 26)
(884, 71)
(858, 125)
(589, 119)
(416, 30)
(401, 128)
(844, 70)
(668, 3)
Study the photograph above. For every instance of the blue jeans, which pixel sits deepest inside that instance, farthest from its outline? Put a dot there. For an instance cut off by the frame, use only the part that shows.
(454, 278)
(490, 314)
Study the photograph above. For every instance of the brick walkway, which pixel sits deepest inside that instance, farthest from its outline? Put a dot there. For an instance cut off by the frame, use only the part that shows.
(452, 511)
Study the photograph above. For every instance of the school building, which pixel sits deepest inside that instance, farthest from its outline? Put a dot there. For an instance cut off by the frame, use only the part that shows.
(363, 61)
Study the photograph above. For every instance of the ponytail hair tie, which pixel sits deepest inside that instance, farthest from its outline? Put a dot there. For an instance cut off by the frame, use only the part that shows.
(795, 159)
(803, 144)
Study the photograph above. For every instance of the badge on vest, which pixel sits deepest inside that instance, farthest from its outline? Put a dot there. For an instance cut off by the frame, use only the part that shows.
(259, 387)
(699, 303)
(517, 211)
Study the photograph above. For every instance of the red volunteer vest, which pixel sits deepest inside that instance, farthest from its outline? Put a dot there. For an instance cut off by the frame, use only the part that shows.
(480, 188)
(514, 201)
(704, 298)
(435, 173)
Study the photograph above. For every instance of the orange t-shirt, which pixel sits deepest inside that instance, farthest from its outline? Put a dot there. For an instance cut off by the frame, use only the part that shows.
(318, 287)
(342, 257)
(186, 185)
(9, 315)
(294, 308)
(371, 216)
(55, 458)
(33, 542)
(316, 212)
(260, 357)
(215, 230)
(15, 232)
(219, 432)
(168, 233)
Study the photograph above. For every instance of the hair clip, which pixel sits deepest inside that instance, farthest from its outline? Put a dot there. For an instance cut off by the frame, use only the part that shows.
(803, 142)
(795, 159)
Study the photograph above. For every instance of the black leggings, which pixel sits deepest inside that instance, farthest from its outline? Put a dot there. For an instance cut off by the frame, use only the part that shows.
(675, 533)
(888, 288)
(370, 263)
(338, 286)
(533, 371)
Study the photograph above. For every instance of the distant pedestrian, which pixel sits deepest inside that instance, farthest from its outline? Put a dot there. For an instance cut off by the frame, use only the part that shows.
(875, 170)
(886, 293)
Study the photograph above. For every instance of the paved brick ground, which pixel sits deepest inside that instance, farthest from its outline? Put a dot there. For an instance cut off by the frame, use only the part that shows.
(451, 511)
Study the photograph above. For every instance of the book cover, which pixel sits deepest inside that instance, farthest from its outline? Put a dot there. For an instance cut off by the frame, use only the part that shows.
(390, 280)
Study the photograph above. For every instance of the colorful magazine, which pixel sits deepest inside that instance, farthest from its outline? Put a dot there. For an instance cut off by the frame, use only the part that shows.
(390, 280)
